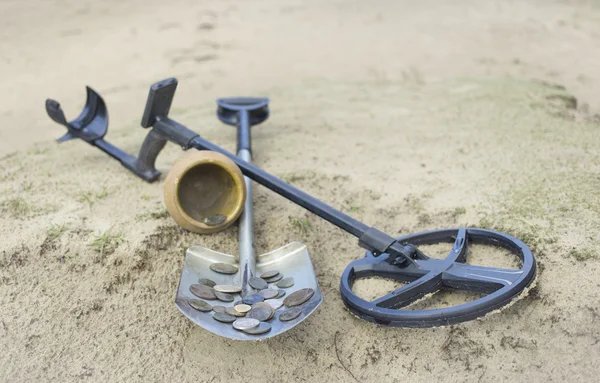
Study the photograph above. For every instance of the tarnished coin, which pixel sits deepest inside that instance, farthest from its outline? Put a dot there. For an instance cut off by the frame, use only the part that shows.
(245, 323)
(269, 274)
(261, 313)
(281, 293)
(224, 297)
(203, 291)
(207, 282)
(258, 283)
(268, 293)
(290, 314)
(243, 308)
(219, 309)
(214, 220)
(252, 299)
(285, 283)
(224, 317)
(274, 279)
(298, 297)
(233, 312)
(224, 268)
(260, 329)
(249, 292)
(266, 306)
(261, 304)
(275, 303)
(200, 305)
(231, 289)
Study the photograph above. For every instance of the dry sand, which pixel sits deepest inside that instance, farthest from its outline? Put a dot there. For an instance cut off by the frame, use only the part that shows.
(408, 115)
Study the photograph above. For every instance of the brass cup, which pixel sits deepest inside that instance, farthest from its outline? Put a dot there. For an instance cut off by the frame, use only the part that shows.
(201, 185)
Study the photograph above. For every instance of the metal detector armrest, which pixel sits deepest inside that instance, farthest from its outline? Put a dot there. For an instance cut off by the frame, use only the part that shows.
(92, 125)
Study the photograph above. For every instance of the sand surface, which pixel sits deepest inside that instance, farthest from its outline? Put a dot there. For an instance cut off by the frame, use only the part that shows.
(408, 115)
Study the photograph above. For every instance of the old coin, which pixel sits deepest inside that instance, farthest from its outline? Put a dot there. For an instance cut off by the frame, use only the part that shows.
(207, 282)
(298, 297)
(274, 279)
(245, 323)
(224, 268)
(268, 293)
(224, 297)
(260, 329)
(265, 306)
(215, 219)
(261, 313)
(285, 283)
(269, 274)
(203, 291)
(243, 308)
(200, 305)
(281, 293)
(290, 314)
(252, 299)
(219, 309)
(224, 317)
(231, 289)
(275, 303)
(258, 283)
(233, 312)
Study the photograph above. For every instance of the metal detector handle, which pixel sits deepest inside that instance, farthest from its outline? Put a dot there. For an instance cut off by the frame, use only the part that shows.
(151, 147)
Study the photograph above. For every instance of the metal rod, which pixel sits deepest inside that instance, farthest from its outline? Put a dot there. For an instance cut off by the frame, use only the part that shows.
(312, 204)
(243, 132)
(246, 222)
(246, 231)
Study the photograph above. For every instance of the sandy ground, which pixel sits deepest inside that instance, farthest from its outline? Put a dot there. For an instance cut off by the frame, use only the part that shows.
(408, 115)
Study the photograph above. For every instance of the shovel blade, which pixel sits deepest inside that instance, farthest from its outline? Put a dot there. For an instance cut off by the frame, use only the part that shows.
(291, 260)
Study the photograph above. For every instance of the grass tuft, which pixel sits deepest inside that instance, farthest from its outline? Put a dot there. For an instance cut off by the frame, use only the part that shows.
(303, 225)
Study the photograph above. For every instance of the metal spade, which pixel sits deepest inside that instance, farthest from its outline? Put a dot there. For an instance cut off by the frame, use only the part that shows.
(291, 260)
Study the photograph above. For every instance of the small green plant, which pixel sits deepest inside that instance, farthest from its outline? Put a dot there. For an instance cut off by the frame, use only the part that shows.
(65, 257)
(146, 197)
(355, 209)
(87, 197)
(424, 219)
(55, 231)
(458, 211)
(106, 243)
(583, 254)
(303, 224)
(39, 151)
(162, 213)
(28, 186)
(414, 203)
(102, 194)
(16, 207)
(91, 197)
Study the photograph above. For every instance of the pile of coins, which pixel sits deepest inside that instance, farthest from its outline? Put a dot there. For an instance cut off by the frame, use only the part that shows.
(251, 313)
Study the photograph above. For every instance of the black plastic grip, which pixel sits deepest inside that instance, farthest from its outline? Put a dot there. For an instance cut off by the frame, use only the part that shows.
(151, 147)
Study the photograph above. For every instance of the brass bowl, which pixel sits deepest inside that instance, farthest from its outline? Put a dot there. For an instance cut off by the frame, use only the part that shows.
(201, 188)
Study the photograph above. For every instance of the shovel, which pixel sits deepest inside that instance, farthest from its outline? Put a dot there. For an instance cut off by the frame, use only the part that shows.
(291, 260)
